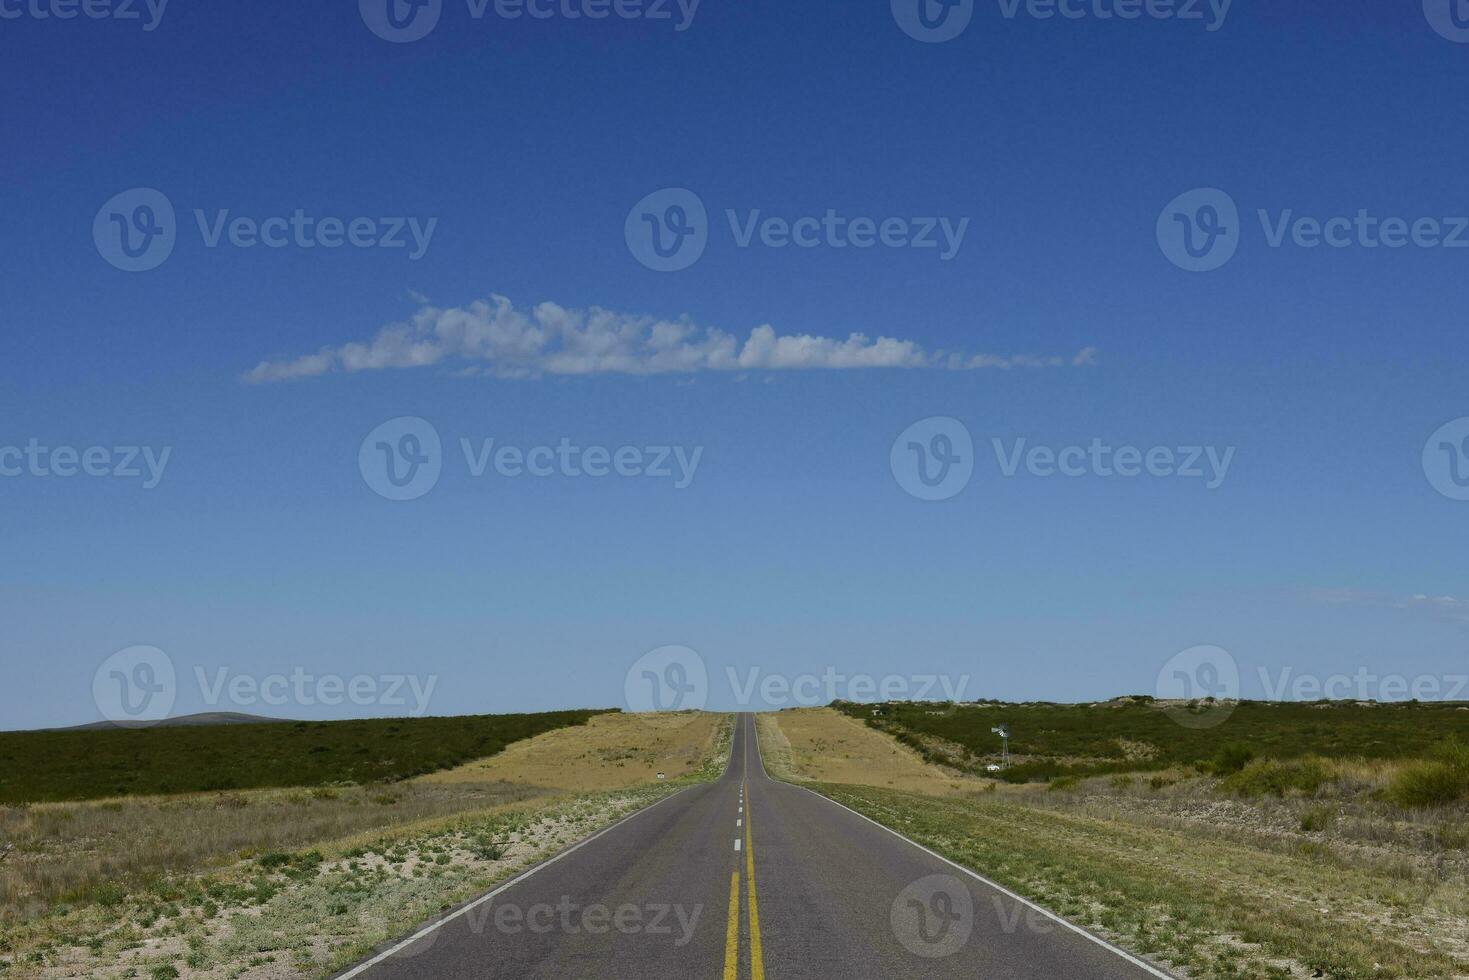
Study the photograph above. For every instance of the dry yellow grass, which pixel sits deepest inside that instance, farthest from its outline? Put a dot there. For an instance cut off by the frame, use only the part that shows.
(610, 752)
(826, 746)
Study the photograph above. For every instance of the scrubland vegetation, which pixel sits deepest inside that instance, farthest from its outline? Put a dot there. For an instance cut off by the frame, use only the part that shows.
(99, 763)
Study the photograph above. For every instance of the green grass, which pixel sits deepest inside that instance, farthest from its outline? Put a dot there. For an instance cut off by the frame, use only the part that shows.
(1126, 735)
(82, 765)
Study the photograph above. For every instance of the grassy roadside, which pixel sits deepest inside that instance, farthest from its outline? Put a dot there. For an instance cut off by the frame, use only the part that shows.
(1262, 873)
(311, 910)
(1218, 908)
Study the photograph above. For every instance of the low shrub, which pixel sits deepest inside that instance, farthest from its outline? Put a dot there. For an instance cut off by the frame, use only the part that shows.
(1232, 758)
(1425, 784)
(1439, 781)
(1316, 819)
(1277, 777)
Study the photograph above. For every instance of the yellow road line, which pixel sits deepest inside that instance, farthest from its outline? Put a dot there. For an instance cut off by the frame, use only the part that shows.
(732, 936)
(757, 954)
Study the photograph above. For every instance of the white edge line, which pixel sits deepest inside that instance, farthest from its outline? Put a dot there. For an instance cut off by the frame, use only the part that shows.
(465, 909)
(1134, 960)
(1085, 934)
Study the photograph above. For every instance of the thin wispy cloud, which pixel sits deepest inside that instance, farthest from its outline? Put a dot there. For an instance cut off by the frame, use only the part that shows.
(492, 337)
(1444, 608)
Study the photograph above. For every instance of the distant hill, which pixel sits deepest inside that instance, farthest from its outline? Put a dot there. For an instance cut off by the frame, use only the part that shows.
(182, 721)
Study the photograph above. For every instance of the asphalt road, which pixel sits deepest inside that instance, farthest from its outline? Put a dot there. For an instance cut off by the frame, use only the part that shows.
(742, 879)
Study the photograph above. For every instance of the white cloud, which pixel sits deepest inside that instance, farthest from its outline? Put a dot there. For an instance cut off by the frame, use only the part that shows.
(1441, 607)
(493, 337)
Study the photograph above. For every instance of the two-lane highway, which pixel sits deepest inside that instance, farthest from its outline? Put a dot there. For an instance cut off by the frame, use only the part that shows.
(748, 877)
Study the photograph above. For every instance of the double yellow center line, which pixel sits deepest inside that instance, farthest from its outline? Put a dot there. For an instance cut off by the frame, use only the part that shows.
(732, 936)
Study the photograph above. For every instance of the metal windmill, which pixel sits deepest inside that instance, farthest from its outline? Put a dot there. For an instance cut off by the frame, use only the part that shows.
(1004, 732)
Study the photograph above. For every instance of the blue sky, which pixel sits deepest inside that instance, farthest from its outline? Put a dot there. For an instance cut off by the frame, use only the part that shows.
(264, 550)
